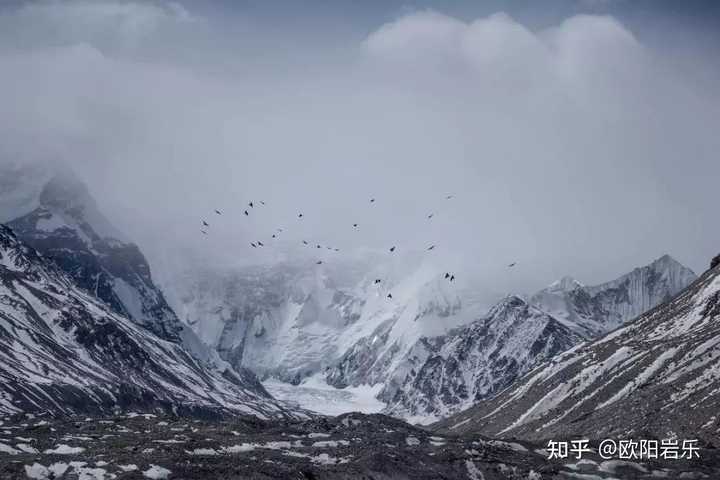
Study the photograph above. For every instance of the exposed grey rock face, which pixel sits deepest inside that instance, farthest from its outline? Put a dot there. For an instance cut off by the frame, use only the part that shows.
(446, 374)
(595, 310)
(64, 351)
(655, 377)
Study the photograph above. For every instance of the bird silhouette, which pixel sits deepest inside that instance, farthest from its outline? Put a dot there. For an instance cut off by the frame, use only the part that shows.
(250, 205)
(300, 215)
(203, 232)
(372, 200)
(431, 247)
(305, 242)
(392, 249)
(319, 262)
(337, 249)
(512, 264)
(253, 245)
(205, 224)
(377, 280)
(260, 244)
(355, 225)
(452, 278)
(246, 212)
(389, 295)
(431, 215)
(262, 203)
(447, 275)
(273, 236)
(318, 246)
(218, 212)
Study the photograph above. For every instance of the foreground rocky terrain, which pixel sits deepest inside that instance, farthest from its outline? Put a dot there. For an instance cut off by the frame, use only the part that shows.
(351, 446)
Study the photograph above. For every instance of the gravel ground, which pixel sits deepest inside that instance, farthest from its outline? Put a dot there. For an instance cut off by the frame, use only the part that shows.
(352, 446)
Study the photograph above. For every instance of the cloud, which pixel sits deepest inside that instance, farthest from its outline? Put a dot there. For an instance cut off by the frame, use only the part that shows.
(105, 24)
(571, 149)
(501, 48)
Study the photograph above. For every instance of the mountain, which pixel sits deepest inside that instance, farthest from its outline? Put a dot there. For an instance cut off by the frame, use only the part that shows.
(67, 226)
(449, 373)
(428, 352)
(294, 320)
(64, 351)
(656, 377)
(595, 310)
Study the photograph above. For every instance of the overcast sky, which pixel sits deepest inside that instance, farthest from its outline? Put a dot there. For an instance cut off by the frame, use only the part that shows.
(577, 137)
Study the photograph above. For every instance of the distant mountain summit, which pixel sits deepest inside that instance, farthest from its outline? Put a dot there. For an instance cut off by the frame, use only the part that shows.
(431, 351)
(655, 377)
(446, 374)
(67, 227)
(594, 310)
(449, 373)
(61, 220)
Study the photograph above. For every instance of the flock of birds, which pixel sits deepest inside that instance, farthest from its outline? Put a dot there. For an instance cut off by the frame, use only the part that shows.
(258, 244)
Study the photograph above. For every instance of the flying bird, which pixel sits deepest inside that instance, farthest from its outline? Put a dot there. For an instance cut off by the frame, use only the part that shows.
(262, 203)
(377, 280)
(512, 264)
(250, 205)
(253, 245)
(392, 249)
(300, 215)
(319, 262)
(337, 249)
(452, 278)
(205, 224)
(218, 212)
(318, 246)
(305, 242)
(372, 200)
(431, 247)
(246, 212)
(260, 244)
(431, 215)
(355, 225)
(273, 235)
(389, 295)
(447, 275)
(203, 232)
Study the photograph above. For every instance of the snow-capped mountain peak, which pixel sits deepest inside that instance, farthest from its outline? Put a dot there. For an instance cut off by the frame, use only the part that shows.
(594, 310)
(565, 284)
(449, 373)
(67, 227)
(657, 375)
(63, 351)
(68, 204)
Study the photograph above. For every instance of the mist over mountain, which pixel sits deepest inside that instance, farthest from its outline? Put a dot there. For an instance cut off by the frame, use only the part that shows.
(357, 239)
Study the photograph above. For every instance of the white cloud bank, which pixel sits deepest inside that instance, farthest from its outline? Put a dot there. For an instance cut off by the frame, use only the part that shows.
(573, 150)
